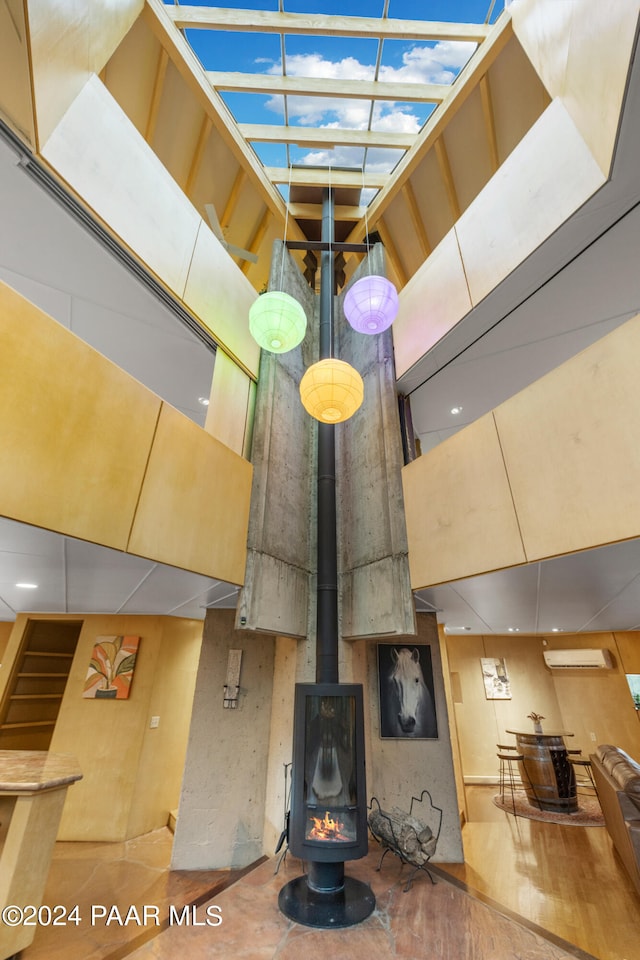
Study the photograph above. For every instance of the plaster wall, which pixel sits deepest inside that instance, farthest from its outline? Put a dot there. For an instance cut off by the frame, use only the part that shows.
(160, 767)
(551, 471)
(595, 705)
(6, 626)
(15, 89)
(150, 214)
(482, 723)
(93, 454)
(68, 42)
(581, 52)
(131, 773)
(124, 762)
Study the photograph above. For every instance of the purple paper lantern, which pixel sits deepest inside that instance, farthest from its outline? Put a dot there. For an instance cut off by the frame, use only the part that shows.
(371, 304)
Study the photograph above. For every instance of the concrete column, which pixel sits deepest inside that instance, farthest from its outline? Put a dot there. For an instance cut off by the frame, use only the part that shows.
(221, 813)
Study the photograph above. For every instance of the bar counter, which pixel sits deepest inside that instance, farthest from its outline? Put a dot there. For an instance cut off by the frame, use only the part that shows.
(548, 776)
(33, 787)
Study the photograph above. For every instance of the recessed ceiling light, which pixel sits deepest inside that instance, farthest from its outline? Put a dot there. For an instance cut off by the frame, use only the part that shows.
(27, 586)
(513, 629)
(456, 410)
(556, 629)
(204, 401)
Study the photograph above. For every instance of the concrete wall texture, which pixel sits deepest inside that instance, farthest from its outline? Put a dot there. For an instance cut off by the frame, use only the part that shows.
(237, 760)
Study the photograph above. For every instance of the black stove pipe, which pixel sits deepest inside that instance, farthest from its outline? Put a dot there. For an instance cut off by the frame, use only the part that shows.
(327, 584)
(326, 876)
(325, 897)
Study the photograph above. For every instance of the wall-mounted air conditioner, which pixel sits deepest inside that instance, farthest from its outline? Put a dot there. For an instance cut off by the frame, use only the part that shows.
(590, 659)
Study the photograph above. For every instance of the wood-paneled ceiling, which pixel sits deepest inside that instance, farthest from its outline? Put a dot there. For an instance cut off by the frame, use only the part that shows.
(410, 185)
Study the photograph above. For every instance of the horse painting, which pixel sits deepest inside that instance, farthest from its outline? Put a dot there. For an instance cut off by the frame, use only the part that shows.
(406, 697)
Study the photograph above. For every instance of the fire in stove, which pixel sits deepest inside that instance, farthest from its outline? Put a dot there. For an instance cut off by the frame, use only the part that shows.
(328, 828)
(328, 816)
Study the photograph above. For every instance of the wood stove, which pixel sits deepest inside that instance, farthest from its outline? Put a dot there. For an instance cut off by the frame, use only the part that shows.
(328, 815)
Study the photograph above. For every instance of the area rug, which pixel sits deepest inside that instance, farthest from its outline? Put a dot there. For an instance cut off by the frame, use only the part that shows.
(588, 813)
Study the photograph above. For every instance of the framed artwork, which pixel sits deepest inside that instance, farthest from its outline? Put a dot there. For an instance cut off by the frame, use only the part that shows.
(497, 685)
(633, 679)
(111, 668)
(406, 691)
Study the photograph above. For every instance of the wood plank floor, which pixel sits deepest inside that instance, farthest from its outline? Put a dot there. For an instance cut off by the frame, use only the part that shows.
(566, 879)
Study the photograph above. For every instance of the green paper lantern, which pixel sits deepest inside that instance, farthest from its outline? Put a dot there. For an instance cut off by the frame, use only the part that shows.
(277, 322)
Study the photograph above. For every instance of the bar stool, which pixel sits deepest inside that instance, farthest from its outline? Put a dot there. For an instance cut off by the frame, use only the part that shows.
(586, 780)
(508, 778)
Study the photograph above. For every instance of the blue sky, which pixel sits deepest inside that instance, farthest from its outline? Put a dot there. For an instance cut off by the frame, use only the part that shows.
(340, 58)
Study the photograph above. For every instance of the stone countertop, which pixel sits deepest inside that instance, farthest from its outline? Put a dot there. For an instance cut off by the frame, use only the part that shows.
(28, 771)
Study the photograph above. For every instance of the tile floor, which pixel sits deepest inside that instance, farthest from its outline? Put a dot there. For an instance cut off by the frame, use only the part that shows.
(237, 916)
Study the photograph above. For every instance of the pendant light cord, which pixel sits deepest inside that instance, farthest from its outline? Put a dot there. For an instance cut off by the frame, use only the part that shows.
(366, 228)
(331, 228)
(286, 223)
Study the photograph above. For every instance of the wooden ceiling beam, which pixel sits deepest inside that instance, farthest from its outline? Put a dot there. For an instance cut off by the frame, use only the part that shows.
(333, 176)
(447, 177)
(262, 21)
(459, 92)
(324, 136)
(416, 219)
(257, 238)
(196, 161)
(391, 252)
(316, 87)
(313, 211)
(489, 121)
(183, 58)
(232, 199)
(156, 95)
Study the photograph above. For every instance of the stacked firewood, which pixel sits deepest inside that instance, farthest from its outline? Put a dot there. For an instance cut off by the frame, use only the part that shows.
(406, 836)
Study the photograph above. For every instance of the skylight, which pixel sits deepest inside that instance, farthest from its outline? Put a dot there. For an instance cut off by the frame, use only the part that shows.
(357, 101)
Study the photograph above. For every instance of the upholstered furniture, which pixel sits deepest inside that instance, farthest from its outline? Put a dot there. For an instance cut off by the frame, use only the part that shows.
(617, 779)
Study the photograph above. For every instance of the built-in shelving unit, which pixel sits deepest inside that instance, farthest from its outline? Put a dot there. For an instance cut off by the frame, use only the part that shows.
(30, 708)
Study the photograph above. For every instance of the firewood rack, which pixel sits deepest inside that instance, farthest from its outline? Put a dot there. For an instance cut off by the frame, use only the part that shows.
(412, 839)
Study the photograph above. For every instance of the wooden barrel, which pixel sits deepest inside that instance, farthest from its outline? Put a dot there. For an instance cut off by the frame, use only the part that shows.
(546, 772)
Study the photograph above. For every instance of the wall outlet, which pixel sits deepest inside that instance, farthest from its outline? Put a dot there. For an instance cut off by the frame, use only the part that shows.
(155, 722)
(593, 737)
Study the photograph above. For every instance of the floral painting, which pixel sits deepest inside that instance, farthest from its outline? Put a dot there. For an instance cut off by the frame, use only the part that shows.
(111, 668)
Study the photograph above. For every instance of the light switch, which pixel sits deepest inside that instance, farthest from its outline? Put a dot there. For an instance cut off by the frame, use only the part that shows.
(155, 722)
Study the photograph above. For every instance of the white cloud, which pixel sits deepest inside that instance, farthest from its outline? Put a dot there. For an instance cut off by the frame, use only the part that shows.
(396, 121)
(325, 111)
(420, 64)
(378, 160)
(437, 64)
(315, 65)
(340, 157)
